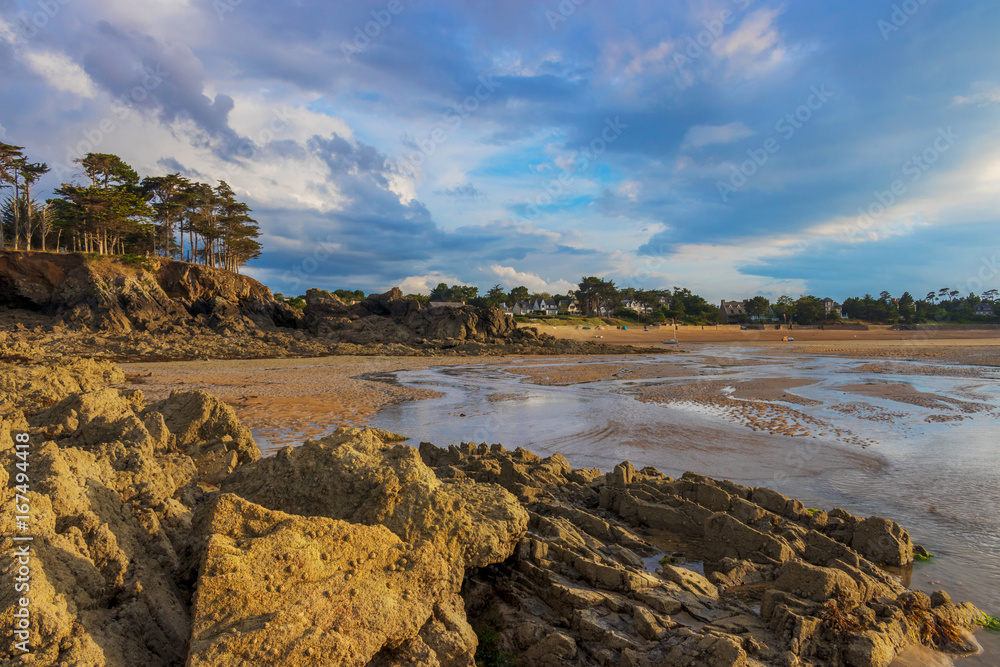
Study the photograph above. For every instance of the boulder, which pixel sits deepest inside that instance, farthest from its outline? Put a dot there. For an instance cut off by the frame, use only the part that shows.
(281, 589)
(207, 430)
(362, 477)
(882, 541)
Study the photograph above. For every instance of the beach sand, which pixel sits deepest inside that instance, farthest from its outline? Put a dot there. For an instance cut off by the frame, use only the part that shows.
(285, 401)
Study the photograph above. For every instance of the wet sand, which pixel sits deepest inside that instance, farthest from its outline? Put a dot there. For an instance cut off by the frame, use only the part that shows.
(284, 401)
(979, 347)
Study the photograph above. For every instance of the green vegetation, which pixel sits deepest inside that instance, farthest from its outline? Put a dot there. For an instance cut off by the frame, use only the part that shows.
(487, 654)
(991, 623)
(945, 306)
(137, 260)
(924, 557)
(112, 212)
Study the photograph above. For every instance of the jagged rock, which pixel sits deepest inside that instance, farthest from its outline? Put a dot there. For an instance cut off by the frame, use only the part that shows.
(882, 541)
(208, 431)
(101, 587)
(295, 590)
(111, 294)
(818, 584)
(38, 386)
(362, 477)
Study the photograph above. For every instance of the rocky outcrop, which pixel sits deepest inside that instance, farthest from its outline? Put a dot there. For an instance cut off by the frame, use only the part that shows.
(207, 430)
(110, 294)
(392, 319)
(356, 549)
(153, 309)
(635, 567)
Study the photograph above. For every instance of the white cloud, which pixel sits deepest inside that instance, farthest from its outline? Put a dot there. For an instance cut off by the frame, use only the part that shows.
(707, 135)
(424, 284)
(755, 47)
(625, 60)
(510, 277)
(61, 72)
(984, 95)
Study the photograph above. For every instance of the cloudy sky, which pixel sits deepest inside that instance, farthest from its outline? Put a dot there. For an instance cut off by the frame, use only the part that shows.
(734, 147)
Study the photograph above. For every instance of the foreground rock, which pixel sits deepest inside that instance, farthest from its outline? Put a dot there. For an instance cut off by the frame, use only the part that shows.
(636, 568)
(358, 550)
(366, 477)
(290, 590)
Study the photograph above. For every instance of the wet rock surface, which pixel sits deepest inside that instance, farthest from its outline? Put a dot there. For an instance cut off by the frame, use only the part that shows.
(356, 549)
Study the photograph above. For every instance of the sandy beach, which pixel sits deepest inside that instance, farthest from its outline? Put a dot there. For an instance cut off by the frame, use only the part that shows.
(287, 400)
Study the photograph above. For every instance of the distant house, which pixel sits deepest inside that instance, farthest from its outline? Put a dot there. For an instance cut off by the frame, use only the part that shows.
(546, 307)
(446, 304)
(830, 306)
(734, 311)
(637, 306)
(984, 308)
(521, 308)
(666, 300)
(569, 307)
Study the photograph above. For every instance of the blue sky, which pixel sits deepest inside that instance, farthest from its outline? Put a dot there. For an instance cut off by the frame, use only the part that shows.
(734, 147)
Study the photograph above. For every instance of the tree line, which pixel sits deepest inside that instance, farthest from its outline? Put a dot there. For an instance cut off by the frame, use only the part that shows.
(596, 298)
(110, 210)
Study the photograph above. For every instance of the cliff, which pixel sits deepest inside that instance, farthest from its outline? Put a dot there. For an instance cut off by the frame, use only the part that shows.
(114, 295)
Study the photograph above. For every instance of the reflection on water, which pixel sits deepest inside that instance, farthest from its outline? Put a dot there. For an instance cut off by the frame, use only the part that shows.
(939, 478)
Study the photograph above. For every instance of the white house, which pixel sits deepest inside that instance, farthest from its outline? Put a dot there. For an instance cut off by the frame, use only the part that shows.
(546, 307)
(984, 308)
(637, 306)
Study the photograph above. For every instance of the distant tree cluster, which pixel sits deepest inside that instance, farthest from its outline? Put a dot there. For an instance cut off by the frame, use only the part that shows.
(461, 293)
(111, 211)
(598, 297)
(945, 305)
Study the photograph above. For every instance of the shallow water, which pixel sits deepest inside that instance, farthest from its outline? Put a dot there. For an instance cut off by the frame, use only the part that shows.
(940, 480)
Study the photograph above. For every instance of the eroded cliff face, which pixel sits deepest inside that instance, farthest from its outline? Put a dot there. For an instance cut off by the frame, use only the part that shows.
(161, 537)
(112, 295)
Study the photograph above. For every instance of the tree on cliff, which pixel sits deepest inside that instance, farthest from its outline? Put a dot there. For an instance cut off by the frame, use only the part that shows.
(170, 197)
(114, 213)
(21, 213)
(107, 211)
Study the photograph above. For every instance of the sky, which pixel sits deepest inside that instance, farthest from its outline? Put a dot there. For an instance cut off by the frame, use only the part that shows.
(733, 147)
